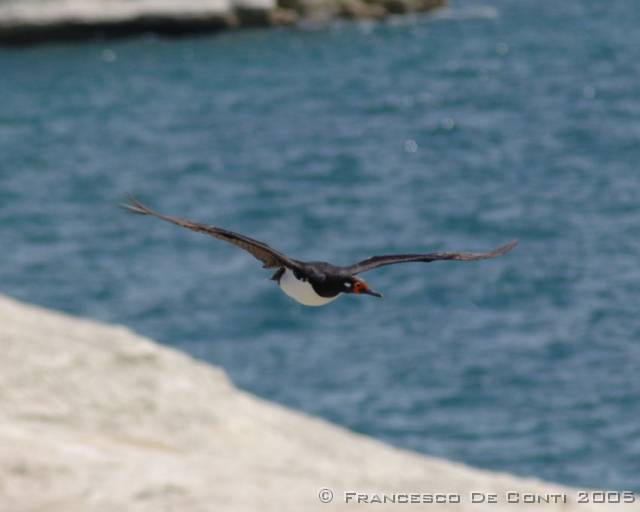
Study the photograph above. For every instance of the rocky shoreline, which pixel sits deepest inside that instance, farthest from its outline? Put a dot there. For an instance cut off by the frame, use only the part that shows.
(34, 21)
(94, 418)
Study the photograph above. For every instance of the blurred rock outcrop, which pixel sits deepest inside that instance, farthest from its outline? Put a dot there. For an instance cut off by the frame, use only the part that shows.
(30, 21)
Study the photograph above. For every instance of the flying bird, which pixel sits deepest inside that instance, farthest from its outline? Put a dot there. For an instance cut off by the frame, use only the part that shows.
(315, 283)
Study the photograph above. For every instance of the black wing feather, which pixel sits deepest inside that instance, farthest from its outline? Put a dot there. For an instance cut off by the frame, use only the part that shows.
(380, 261)
(259, 250)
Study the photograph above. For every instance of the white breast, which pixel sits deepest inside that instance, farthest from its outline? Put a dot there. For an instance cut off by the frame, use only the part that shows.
(302, 291)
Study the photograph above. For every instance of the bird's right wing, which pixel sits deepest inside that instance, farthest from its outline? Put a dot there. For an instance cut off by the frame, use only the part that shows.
(380, 261)
(259, 250)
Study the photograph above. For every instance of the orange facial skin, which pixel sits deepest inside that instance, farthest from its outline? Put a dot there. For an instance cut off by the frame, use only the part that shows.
(359, 287)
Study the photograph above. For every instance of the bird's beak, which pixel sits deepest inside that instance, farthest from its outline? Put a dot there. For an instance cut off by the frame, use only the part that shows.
(371, 292)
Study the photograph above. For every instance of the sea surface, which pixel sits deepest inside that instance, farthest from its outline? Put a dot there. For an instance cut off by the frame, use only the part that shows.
(489, 121)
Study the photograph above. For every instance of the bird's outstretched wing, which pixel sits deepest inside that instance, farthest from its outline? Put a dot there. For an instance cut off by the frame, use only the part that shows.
(380, 261)
(261, 251)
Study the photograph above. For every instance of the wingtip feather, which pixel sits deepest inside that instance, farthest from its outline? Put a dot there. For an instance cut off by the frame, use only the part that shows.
(504, 249)
(132, 205)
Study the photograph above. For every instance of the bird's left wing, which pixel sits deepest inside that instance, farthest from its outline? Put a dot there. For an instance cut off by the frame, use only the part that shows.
(259, 250)
(380, 261)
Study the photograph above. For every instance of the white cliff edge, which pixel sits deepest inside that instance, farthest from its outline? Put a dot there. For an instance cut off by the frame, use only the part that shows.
(96, 418)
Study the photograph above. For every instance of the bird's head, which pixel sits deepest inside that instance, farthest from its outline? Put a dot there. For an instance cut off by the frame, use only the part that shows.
(357, 285)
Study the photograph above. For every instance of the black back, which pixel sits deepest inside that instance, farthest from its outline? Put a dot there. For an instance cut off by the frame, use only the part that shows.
(327, 279)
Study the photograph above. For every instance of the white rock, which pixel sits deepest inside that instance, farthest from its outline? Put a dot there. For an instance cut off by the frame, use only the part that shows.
(96, 418)
(16, 12)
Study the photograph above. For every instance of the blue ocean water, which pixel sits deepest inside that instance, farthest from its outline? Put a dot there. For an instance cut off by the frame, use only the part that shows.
(459, 131)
